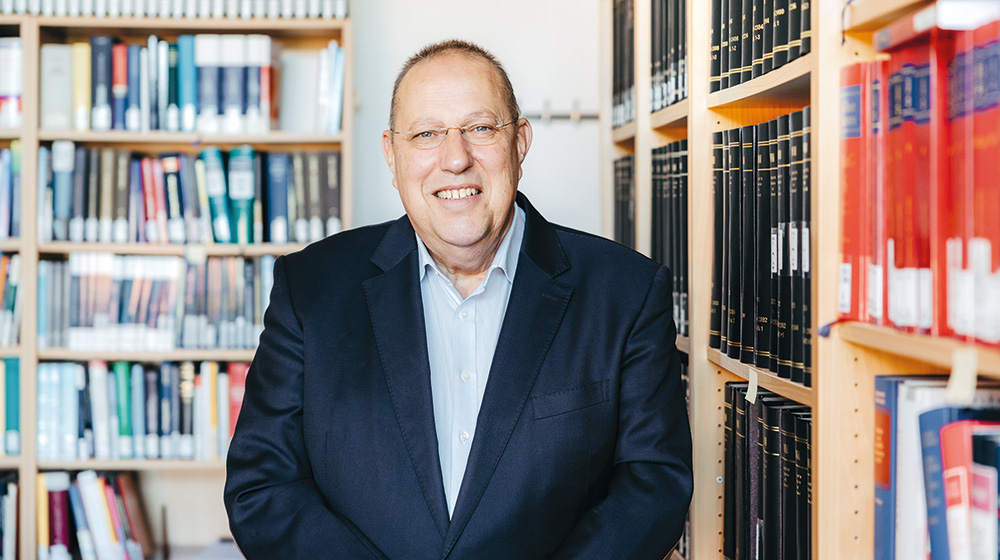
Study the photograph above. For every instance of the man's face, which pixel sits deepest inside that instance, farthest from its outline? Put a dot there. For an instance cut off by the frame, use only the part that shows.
(457, 195)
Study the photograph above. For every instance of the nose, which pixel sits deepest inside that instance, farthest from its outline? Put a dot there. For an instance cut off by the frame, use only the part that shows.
(456, 153)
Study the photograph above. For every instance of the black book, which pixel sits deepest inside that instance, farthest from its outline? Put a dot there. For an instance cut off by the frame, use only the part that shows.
(673, 28)
(729, 497)
(757, 39)
(682, 162)
(794, 29)
(772, 135)
(803, 508)
(746, 41)
(748, 282)
(723, 32)
(780, 25)
(762, 259)
(769, 519)
(735, 255)
(616, 61)
(784, 298)
(724, 245)
(806, 28)
(630, 194)
(805, 251)
(735, 46)
(655, 48)
(715, 317)
(795, 240)
(618, 205)
(656, 228)
(740, 475)
(630, 63)
(673, 203)
(95, 175)
(788, 513)
(682, 65)
(767, 32)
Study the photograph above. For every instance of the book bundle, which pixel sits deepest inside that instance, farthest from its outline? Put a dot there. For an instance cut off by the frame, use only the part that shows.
(761, 284)
(921, 244)
(139, 303)
(11, 82)
(623, 63)
(128, 410)
(752, 37)
(10, 190)
(206, 83)
(245, 9)
(625, 201)
(241, 196)
(92, 516)
(670, 222)
(669, 53)
(768, 479)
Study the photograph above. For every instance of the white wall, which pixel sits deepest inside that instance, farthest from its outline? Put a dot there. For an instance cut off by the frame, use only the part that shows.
(550, 50)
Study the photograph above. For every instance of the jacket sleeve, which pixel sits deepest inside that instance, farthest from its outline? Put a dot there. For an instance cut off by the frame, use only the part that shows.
(651, 483)
(275, 509)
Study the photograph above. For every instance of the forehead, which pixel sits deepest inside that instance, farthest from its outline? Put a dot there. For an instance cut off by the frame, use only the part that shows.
(449, 85)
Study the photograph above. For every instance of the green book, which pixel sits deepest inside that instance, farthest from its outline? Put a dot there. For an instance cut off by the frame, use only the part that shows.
(12, 394)
(215, 188)
(241, 194)
(122, 372)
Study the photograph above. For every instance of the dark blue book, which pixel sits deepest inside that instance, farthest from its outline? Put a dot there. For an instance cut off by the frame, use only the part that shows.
(278, 169)
(100, 82)
(133, 108)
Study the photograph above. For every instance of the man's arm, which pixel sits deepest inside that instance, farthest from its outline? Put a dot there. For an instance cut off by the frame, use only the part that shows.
(651, 482)
(275, 509)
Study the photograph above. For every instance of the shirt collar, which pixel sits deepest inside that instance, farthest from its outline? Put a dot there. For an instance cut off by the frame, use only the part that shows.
(505, 258)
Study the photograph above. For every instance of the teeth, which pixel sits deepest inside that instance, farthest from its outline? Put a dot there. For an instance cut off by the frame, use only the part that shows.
(454, 194)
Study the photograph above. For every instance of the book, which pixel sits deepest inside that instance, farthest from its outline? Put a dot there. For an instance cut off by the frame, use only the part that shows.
(56, 75)
(956, 467)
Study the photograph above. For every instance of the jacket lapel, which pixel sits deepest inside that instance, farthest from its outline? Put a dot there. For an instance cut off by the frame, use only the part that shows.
(534, 313)
(397, 317)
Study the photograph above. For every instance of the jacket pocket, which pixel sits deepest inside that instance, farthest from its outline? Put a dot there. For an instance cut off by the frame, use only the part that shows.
(569, 400)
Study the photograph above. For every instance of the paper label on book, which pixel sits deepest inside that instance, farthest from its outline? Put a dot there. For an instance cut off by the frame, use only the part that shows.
(905, 291)
(752, 386)
(875, 290)
(844, 289)
(925, 298)
(962, 381)
(774, 250)
(793, 246)
(805, 250)
(781, 247)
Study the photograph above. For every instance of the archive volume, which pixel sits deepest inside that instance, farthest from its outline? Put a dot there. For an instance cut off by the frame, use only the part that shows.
(761, 284)
(768, 478)
(752, 37)
(670, 222)
(241, 196)
(669, 53)
(206, 83)
(624, 231)
(921, 244)
(623, 63)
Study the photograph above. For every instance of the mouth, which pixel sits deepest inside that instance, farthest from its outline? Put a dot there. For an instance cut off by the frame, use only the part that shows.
(457, 194)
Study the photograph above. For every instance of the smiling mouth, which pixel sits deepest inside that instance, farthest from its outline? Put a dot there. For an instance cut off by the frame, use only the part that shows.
(456, 194)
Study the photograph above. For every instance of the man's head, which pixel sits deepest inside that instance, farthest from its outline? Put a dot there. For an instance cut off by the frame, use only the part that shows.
(458, 189)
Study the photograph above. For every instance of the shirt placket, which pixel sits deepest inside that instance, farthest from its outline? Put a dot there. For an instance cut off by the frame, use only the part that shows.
(464, 400)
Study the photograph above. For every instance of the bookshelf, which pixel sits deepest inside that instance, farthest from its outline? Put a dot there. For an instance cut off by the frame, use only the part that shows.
(846, 362)
(187, 493)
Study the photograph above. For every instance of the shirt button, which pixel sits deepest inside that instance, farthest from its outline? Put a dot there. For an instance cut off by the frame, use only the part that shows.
(465, 376)
(464, 314)
(464, 436)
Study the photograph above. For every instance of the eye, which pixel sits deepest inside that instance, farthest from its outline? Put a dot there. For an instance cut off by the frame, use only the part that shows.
(482, 128)
(425, 135)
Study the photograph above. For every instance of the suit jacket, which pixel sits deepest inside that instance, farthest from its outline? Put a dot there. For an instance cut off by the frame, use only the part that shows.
(582, 446)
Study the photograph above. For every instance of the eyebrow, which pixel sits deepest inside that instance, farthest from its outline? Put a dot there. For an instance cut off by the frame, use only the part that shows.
(439, 123)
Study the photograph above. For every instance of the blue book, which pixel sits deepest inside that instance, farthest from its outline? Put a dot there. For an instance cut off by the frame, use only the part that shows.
(187, 93)
(44, 192)
(336, 108)
(278, 169)
(62, 188)
(15, 189)
(12, 386)
(138, 397)
(6, 185)
(241, 194)
(886, 389)
(167, 449)
(100, 82)
(68, 415)
(133, 105)
(207, 62)
(83, 537)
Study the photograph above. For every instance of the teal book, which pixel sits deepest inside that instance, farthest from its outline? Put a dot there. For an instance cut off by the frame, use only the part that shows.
(187, 82)
(12, 393)
(241, 194)
(215, 188)
(122, 372)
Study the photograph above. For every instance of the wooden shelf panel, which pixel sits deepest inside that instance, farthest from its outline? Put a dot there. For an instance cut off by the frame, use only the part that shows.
(166, 249)
(933, 350)
(274, 138)
(674, 116)
(684, 344)
(624, 134)
(10, 245)
(787, 85)
(869, 15)
(10, 19)
(179, 355)
(133, 465)
(269, 26)
(9, 133)
(765, 379)
(10, 463)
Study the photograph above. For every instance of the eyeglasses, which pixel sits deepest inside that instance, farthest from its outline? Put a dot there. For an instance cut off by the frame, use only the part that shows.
(477, 134)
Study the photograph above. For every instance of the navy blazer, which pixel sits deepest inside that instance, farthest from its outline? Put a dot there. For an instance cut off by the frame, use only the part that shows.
(582, 446)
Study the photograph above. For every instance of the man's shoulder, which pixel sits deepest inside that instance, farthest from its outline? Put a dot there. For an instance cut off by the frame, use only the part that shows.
(344, 250)
(586, 248)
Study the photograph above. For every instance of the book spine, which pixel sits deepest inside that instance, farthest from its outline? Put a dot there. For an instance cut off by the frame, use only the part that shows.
(79, 208)
(762, 256)
(746, 41)
(735, 45)
(101, 82)
(805, 249)
(757, 39)
(241, 195)
(735, 254)
(779, 24)
(748, 294)
(795, 242)
(724, 27)
(715, 32)
(784, 310)
(794, 29)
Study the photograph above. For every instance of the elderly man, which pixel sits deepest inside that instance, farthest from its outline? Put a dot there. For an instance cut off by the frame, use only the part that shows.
(470, 380)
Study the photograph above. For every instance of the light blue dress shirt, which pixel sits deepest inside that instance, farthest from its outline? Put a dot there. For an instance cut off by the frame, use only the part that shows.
(461, 338)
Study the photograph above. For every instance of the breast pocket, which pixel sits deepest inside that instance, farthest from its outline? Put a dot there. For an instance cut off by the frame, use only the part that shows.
(569, 400)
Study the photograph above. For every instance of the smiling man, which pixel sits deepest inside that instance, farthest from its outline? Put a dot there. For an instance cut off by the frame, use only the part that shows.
(470, 380)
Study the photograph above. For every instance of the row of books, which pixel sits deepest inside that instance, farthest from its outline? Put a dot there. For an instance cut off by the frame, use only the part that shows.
(241, 196)
(624, 211)
(245, 9)
(761, 284)
(11, 82)
(921, 244)
(10, 190)
(669, 53)
(207, 83)
(169, 411)
(670, 222)
(935, 470)
(752, 37)
(8, 516)
(768, 479)
(623, 63)
(91, 516)
(138, 303)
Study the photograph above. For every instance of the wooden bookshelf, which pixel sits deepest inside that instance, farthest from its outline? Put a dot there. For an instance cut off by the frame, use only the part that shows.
(684, 344)
(276, 27)
(164, 140)
(178, 355)
(786, 85)
(673, 116)
(10, 133)
(869, 15)
(932, 350)
(764, 378)
(624, 134)
(191, 252)
(134, 465)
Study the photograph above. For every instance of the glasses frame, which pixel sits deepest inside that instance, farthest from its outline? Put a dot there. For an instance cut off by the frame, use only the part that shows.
(444, 130)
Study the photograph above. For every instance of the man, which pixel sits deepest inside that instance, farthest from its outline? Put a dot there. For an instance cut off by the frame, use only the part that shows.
(469, 381)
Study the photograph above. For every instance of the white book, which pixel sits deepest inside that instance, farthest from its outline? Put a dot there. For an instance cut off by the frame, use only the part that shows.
(97, 374)
(100, 8)
(301, 8)
(178, 7)
(222, 412)
(326, 9)
(44, 446)
(322, 91)
(340, 9)
(86, 7)
(95, 507)
(232, 8)
(246, 9)
(218, 8)
(128, 8)
(114, 8)
(139, 8)
(191, 8)
(6, 7)
(313, 9)
(56, 103)
(69, 411)
(336, 103)
(273, 8)
(287, 8)
(259, 8)
(20, 6)
(11, 81)
(61, 7)
(34, 7)
(233, 50)
(298, 111)
(166, 8)
(48, 7)
(10, 520)
(205, 8)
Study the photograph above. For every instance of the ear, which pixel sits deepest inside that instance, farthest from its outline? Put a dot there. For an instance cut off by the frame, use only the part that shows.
(390, 155)
(523, 142)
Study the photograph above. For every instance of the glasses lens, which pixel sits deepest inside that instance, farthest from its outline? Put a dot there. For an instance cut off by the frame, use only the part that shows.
(481, 134)
(428, 139)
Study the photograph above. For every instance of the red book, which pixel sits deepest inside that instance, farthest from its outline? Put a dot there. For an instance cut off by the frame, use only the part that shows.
(160, 199)
(956, 467)
(855, 184)
(877, 269)
(237, 387)
(119, 84)
(984, 248)
(58, 511)
(134, 513)
(149, 201)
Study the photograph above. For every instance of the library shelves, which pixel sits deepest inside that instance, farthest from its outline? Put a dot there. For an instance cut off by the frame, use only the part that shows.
(763, 378)
(672, 116)
(169, 487)
(783, 86)
(932, 350)
(624, 134)
(870, 15)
